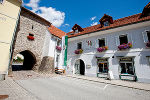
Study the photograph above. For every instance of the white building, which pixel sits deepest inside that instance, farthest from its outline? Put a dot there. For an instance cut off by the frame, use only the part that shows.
(118, 47)
(52, 50)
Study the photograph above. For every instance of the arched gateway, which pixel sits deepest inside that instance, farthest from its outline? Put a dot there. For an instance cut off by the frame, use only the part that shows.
(28, 62)
(30, 41)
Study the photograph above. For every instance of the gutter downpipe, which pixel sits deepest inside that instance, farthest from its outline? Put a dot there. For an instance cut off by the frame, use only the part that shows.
(12, 41)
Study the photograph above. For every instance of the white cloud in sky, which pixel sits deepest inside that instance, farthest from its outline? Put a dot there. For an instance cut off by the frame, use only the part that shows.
(94, 23)
(33, 4)
(67, 25)
(51, 14)
(93, 18)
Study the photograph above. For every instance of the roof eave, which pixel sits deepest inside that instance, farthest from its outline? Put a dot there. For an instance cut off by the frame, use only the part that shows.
(110, 28)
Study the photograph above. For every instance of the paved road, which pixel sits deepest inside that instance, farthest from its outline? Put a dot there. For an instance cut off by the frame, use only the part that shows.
(66, 88)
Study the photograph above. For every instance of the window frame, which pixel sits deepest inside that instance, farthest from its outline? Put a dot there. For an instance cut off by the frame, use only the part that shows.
(79, 43)
(106, 23)
(104, 42)
(58, 42)
(123, 35)
(148, 35)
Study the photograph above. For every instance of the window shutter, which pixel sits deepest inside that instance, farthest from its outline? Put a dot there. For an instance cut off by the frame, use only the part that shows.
(96, 43)
(145, 38)
(117, 41)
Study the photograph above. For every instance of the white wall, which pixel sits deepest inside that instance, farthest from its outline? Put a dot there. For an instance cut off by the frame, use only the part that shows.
(139, 51)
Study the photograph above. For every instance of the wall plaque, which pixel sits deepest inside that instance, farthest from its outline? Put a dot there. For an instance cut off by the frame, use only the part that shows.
(88, 66)
(125, 59)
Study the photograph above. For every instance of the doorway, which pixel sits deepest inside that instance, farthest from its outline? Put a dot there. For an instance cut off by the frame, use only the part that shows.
(80, 67)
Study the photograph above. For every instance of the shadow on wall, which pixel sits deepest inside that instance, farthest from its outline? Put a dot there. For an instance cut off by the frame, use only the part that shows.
(47, 65)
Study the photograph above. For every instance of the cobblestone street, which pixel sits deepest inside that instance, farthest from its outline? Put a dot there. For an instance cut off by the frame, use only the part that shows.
(16, 92)
(29, 85)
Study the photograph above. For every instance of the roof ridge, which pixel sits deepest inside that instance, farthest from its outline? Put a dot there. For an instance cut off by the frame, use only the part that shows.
(127, 17)
(114, 20)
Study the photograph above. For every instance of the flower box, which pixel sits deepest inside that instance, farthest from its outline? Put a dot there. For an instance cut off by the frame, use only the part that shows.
(58, 48)
(148, 44)
(30, 37)
(125, 46)
(78, 51)
(101, 49)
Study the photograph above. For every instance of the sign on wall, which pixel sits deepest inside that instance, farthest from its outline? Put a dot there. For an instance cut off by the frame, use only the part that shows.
(125, 59)
(88, 66)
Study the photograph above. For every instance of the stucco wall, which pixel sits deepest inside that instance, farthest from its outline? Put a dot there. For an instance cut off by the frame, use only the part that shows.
(139, 51)
(9, 11)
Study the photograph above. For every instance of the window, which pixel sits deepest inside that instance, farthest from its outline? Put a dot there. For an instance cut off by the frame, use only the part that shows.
(148, 57)
(1, 1)
(148, 35)
(79, 45)
(123, 39)
(31, 34)
(101, 42)
(106, 23)
(58, 42)
(76, 31)
(32, 27)
(127, 68)
(57, 58)
(103, 67)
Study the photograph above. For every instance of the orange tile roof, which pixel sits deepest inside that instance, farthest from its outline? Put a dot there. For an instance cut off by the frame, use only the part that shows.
(116, 23)
(57, 32)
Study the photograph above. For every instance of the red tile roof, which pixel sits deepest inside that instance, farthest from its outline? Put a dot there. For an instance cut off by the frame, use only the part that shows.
(57, 32)
(116, 23)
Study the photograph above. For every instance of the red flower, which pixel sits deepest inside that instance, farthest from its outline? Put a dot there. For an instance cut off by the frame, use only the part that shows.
(30, 37)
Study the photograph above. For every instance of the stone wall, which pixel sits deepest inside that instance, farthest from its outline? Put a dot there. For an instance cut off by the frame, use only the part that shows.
(30, 23)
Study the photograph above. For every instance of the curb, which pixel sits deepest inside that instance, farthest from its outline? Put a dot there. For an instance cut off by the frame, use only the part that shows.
(110, 83)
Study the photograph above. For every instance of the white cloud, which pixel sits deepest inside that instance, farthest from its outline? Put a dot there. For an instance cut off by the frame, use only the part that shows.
(94, 23)
(93, 18)
(66, 25)
(33, 4)
(71, 30)
(51, 14)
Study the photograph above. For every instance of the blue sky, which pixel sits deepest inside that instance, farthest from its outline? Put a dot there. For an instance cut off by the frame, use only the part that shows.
(65, 13)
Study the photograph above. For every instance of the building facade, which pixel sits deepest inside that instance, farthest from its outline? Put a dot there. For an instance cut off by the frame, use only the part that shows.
(9, 15)
(55, 46)
(115, 49)
(32, 30)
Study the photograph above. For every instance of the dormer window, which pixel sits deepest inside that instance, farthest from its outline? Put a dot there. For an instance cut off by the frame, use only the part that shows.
(76, 29)
(146, 11)
(106, 20)
(106, 23)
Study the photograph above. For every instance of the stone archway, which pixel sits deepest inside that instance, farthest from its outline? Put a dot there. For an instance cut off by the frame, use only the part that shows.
(80, 67)
(28, 62)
